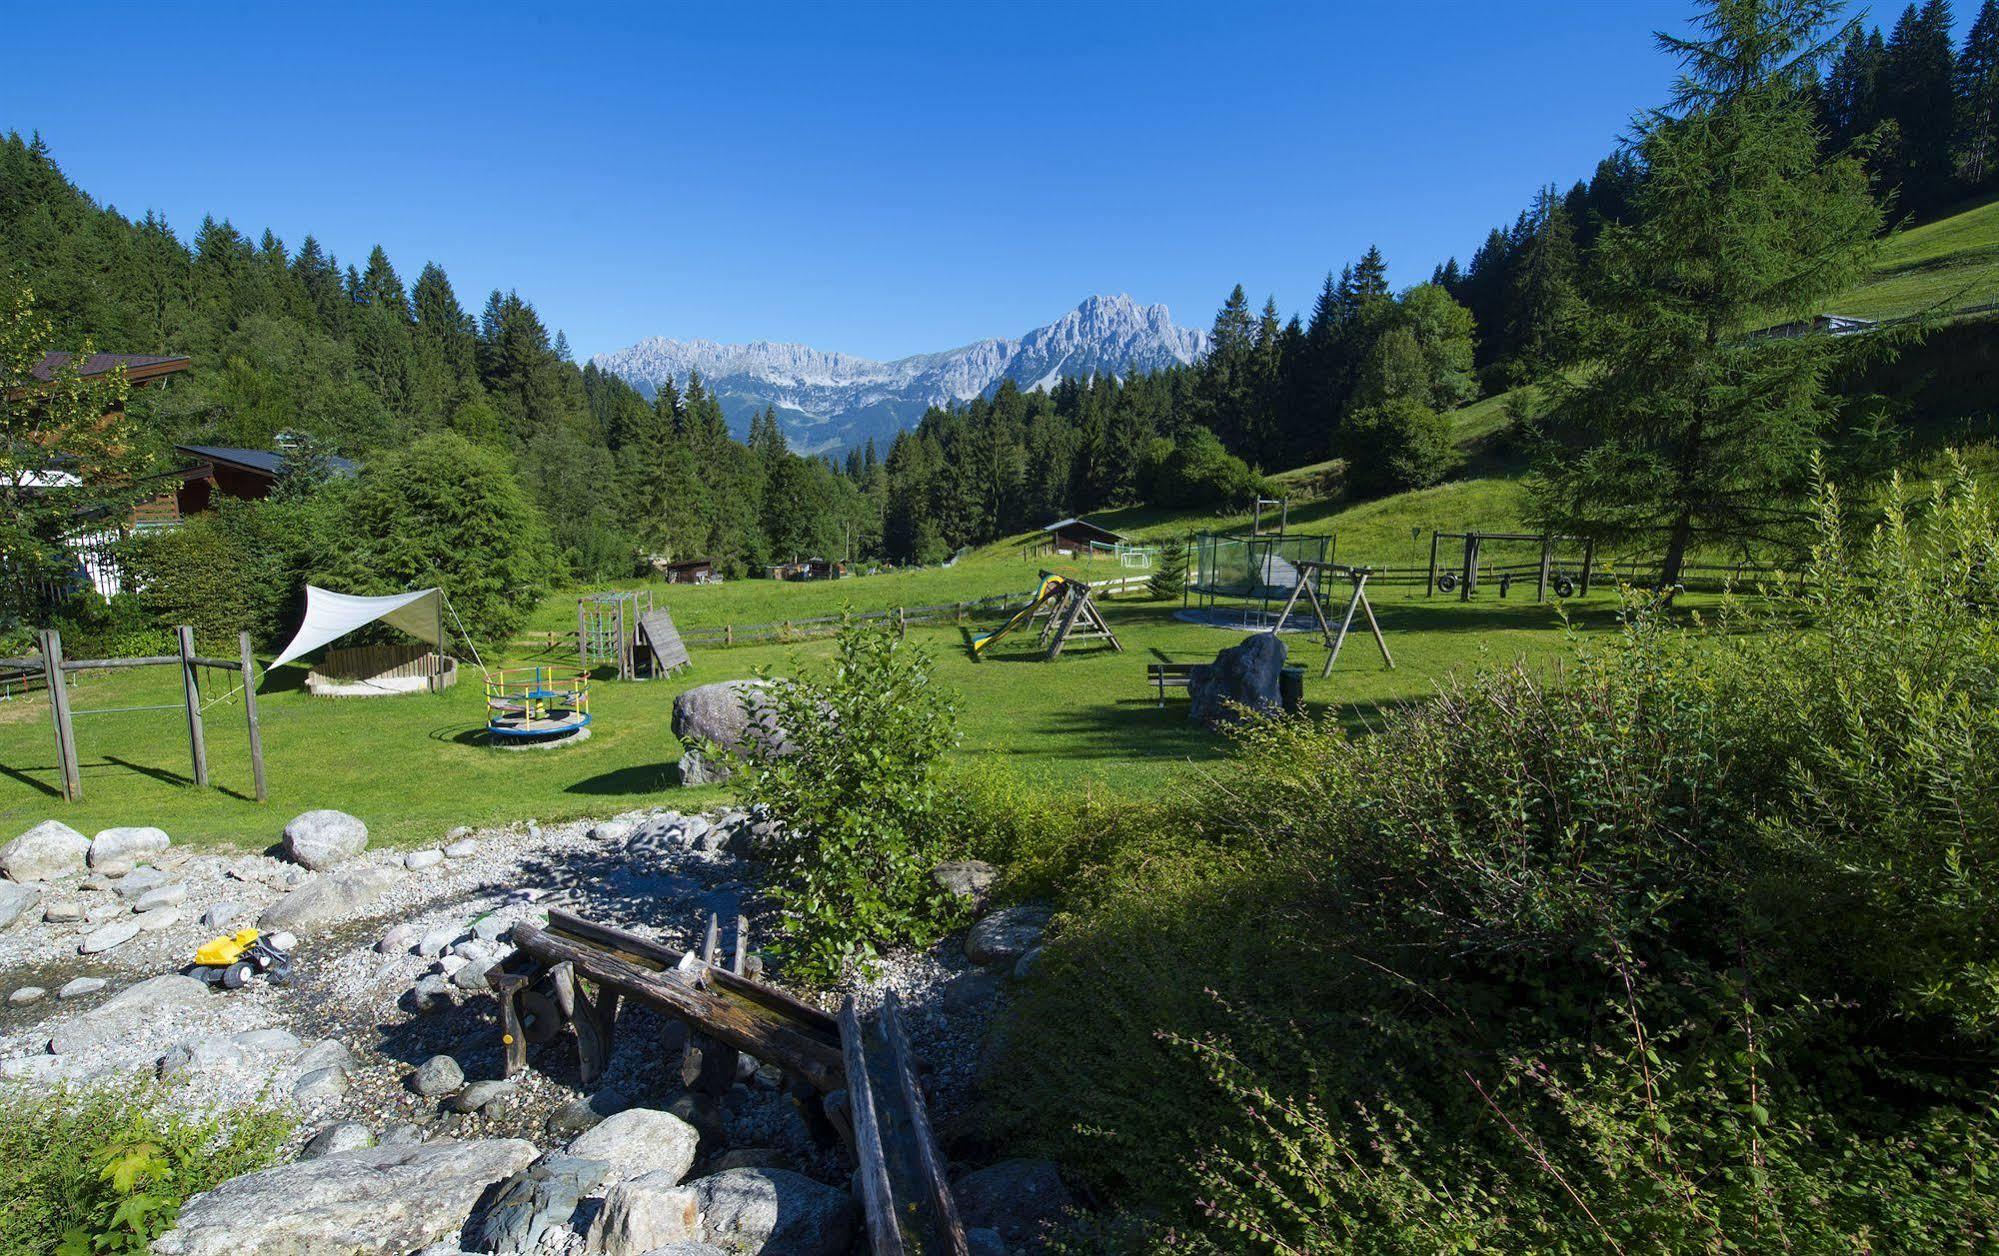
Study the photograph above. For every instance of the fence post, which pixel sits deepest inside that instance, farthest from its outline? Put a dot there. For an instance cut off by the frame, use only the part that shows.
(901, 623)
(72, 778)
(190, 687)
(250, 711)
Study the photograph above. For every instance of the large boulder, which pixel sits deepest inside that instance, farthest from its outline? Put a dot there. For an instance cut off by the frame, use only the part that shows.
(49, 850)
(774, 1211)
(121, 847)
(1020, 1199)
(639, 1141)
(1007, 934)
(155, 1000)
(322, 839)
(379, 1199)
(727, 715)
(645, 1213)
(542, 1195)
(1248, 677)
(327, 899)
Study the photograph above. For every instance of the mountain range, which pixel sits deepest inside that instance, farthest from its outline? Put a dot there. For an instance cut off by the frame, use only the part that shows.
(827, 401)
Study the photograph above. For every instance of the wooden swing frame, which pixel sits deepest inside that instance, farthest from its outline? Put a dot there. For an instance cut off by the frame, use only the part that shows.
(1335, 641)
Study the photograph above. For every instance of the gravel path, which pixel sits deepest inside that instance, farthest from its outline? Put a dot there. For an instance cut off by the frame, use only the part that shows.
(657, 873)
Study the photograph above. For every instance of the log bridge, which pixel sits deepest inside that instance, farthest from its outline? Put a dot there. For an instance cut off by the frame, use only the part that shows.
(852, 1079)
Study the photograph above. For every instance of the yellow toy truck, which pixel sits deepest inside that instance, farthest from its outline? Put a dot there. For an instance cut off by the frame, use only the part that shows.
(231, 961)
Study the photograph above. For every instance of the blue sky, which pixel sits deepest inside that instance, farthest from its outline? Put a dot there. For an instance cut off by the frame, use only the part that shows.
(879, 179)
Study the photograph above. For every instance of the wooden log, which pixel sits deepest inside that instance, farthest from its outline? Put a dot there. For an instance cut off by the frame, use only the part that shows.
(870, 1159)
(949, 1232)
(742, 956)
(249, 669)
(513, 1043)
(793, 1044)
(190, 688)
(594, 1029)
(72, 776)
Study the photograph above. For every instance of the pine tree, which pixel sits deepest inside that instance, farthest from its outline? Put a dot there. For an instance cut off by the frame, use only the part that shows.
(1917, 93)
(1546, 296)
(1688, 428)
(1978, 101)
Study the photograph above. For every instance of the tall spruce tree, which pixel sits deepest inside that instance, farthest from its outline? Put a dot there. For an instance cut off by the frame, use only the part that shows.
(1547, 296)
(1918, 94)
(1978, 101)
(1684, 428)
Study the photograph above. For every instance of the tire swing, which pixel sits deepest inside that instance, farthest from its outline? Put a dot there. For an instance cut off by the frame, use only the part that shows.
(1447, 580)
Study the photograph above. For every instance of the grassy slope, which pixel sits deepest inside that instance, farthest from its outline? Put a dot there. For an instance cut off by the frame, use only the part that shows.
(1946, 265)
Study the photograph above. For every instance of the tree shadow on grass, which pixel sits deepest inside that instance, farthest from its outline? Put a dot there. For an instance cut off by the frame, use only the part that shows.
(643, 778)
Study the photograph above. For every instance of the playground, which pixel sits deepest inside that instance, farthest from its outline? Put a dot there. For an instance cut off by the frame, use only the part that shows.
(423, 762)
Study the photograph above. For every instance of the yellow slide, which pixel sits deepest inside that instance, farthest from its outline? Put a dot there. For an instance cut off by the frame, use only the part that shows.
(1051, 587)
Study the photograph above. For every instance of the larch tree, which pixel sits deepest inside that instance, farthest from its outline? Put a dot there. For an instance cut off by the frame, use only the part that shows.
(1681, 427)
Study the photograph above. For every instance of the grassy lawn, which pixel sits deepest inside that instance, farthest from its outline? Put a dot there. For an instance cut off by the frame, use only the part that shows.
(415, 766)
(1950, 263)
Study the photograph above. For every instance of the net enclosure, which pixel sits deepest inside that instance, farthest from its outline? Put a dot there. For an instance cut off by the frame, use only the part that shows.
(1253, 575)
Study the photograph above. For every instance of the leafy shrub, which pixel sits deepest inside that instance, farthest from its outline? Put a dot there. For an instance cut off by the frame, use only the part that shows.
(241, 566)
(861, 802)
(1398, 445)
(99, 1170)
(1690, 947)
(443, 511)
(1197, 470)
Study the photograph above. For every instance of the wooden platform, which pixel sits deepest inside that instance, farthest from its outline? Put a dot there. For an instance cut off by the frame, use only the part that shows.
(657, 634)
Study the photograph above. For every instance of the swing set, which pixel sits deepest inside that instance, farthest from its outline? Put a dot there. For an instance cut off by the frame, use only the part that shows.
(1072, 615)
(1310, 572)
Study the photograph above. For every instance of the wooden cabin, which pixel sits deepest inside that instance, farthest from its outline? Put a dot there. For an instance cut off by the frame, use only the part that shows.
(687, 571)
(245, 474)
(808, 569)
(1077, 536)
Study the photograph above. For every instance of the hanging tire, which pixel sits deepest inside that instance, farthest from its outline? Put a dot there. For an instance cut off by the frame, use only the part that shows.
(1447, 581)
(1564, 587)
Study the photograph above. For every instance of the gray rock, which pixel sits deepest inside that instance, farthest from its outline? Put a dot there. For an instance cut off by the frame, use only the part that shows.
(432, 993)
(198, 1054)
(221, 915)
(578, 1115)
(126, 845)
(109, 909)
(639, 1140)
(984, 1242)
(970, 991)
(153, 1000)
(172, 894)
(1007, 934)
(439, 1075)
(154, 921)
(967, 880)
(418, 860)
(268, 1041)
(341, 1136)
(382, 1199)
(49, 850)
(437, 941)
(326, 1053)
(1018, 1198)
(644, 1213)
(326, 899)
(15, 900)
(775, 1211)
(77, 987)
(542, 1195)
(702, 1111)
(1244, 679)
(751, 1158)
(108, 937)
(490, 927)
(401, 1134)
(135, 885)
(61, 912)
(320, 1084)
(26, 995)
(479, 1095)
(463, 848)
(690, 1248)
(1024, 967)
(322, 839)
(473, 975)
(398, 938)
(727, 715)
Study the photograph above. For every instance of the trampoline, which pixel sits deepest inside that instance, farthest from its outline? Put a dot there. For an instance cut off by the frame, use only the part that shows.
(536, 705)
(1241, 582)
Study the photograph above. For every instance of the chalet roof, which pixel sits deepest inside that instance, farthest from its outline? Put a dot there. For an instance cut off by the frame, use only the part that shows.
(139, 367)
(1063, 525)
(261, 461)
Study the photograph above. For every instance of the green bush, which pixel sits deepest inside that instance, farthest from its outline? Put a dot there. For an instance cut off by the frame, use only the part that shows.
(242, 566)
(1197, 470)
(99, 1170)
(1396, 446)
(861, 801)
(446, 512)
(1690, 946)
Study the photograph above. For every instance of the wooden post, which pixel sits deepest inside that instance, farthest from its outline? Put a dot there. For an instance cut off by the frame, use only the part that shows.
(250, 711)
(728, 634)
(1589, 557)
(1430, 588)
(72, 778)
(1471, 567)
(901, 622)
(190, 687)
(1547, 554)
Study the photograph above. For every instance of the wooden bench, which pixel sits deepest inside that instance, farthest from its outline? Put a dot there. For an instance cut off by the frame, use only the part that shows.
(1164, 676)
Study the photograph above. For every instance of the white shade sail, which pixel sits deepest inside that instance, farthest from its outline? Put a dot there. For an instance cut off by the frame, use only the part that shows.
(330, 616)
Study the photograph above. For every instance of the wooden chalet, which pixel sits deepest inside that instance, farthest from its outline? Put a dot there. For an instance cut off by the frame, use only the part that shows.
(687, 571)
(245, 474)
(1078, 536)
(808, 569)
